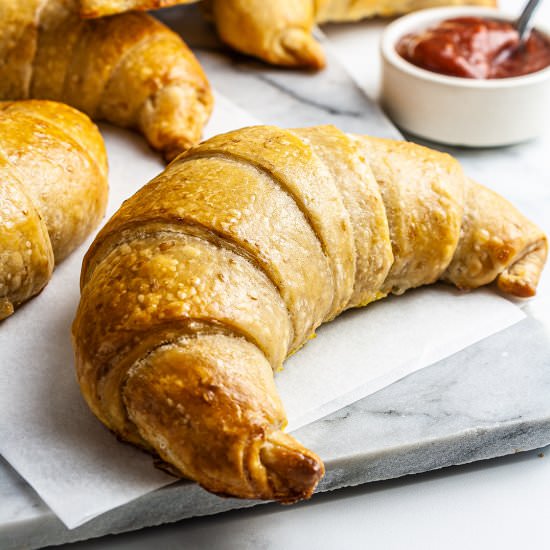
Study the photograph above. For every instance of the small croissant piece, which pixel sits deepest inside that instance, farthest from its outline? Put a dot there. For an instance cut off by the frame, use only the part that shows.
(204, 281)
(53, 192)
(277, 32)
(129, 69)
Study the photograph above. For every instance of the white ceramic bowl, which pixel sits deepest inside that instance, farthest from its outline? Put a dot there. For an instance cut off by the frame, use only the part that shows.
(460, 111)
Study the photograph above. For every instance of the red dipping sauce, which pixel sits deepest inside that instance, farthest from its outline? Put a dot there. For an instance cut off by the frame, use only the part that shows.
(472, 47)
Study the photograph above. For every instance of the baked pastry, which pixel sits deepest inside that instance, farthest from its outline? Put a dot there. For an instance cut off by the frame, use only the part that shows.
(129, 69)
(205, 280)
(100, 8)
(53, 192)
(277, 32)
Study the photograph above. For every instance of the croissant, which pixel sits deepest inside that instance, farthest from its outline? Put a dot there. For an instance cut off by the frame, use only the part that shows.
(53, 192)
(279, 32)
(129, 69)
(100, 8)
(204, 281)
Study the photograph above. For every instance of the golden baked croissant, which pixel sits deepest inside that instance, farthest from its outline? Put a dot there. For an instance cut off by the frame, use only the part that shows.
(279, 32)
(53, 192)
(213, 273)
(129, 69)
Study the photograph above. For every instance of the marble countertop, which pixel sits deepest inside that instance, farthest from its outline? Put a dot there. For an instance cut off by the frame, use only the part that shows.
(501, 503)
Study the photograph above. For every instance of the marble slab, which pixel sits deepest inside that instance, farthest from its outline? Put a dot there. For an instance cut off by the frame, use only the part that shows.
(486, 401)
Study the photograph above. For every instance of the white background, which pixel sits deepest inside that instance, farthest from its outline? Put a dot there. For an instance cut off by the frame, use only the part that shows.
(504, 503)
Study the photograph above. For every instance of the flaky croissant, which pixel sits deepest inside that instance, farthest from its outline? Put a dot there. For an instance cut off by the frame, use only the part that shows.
(213, 273)
(129, 69)
(53, 192)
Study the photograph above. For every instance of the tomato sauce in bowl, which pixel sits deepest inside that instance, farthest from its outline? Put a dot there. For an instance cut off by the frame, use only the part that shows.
(475, 47)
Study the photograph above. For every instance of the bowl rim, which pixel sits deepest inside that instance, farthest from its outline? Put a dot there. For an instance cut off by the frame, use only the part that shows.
(428, 17)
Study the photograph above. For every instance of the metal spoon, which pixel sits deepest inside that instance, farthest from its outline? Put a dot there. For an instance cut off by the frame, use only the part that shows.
(522, 25)
(522, 22)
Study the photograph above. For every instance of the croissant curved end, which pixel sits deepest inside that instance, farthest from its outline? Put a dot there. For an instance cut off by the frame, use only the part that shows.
(293, 471)
(194, 404)
(301, 49)
(522, 277)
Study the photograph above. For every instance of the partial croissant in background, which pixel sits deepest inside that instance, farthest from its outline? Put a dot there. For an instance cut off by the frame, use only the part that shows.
(129, 69)
(53, 192)
(206, 279)
(100, 8)
(279, 32)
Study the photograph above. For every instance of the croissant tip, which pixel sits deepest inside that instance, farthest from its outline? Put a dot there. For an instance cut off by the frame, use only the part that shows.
(174, 150)
(522, 277)
(302, 50)
(516, 287)
(293, 471)
(170, 154)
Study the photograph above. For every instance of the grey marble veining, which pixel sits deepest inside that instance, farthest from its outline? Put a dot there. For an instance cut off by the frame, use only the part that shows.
(488, 400)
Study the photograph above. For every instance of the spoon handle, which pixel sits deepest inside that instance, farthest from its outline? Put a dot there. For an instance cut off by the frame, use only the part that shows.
(522, 23)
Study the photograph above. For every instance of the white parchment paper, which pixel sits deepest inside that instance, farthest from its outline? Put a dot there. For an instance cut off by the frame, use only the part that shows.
(80, 470)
